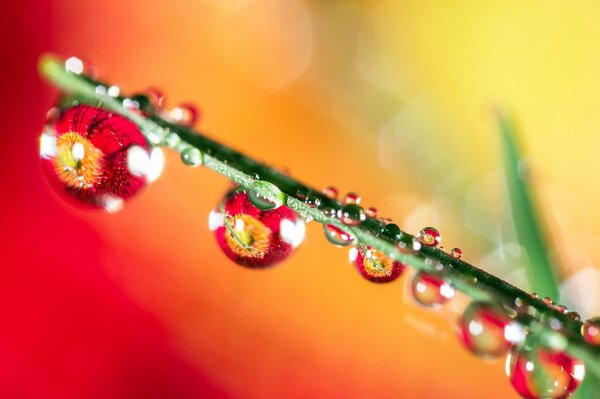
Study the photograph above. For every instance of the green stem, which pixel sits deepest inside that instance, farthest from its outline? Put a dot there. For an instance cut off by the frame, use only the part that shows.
(470, 280)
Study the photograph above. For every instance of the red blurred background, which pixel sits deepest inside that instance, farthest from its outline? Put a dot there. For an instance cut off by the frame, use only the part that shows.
(141, 304)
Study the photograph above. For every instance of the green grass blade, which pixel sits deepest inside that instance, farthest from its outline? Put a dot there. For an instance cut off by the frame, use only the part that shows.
(541, 271)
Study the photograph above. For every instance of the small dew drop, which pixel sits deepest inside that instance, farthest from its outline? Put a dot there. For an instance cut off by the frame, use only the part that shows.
(591, 331)
(430, 290)
(302, 193)
(351, 215)
(429, 236)
(330, 192)
(156, 97)
(375, 266)
(337, 236)
(456, 253)
(391, 232)
(371, 212)
(574, 316)
(352, 198)
(312, 201)
(185, 114)
(191, 156)
(114, 91)
(265, 195)
(74, 65)
(482, 329)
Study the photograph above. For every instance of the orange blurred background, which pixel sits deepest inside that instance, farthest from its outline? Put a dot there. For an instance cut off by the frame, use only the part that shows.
(388, 98)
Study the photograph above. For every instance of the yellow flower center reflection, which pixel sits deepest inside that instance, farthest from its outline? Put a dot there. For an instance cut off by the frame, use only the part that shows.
(247, 236)
(78, 162)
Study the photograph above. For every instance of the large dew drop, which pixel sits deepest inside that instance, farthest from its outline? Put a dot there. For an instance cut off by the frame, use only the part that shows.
(537, 372)
(253, 237)
(96, 158)
(374, 265)
(337, 236)
(485, 329)
(351, 215)
(430, 290)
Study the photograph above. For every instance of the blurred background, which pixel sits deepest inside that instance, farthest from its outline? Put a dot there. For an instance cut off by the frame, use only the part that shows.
(388, 98)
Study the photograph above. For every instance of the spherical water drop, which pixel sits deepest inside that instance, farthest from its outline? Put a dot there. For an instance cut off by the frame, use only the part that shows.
(482, 329)
(591, 331)
(185, 114)
(574, 316)
(252, 237)
(374, 265)
(352, 198)
(456, 253)
(265, 195)
(312, 201)
(372, 212)
(337, 236)
(156, 96)
(429, 236)
(391, 232)
(430, 290)
(191, 156)
(302, 193)
(96, 158)
(537, 372)
(351, 215)
(330, 192)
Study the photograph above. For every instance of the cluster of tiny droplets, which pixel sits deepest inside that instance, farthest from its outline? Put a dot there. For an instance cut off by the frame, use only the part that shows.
(486, 329)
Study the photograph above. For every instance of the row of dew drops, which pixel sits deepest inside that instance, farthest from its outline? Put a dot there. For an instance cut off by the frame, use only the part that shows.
(487, 329)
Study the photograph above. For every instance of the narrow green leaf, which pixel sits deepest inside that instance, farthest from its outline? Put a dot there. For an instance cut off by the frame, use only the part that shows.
(541, 272)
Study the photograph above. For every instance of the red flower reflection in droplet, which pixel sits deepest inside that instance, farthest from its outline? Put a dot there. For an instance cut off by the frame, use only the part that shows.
(252, 237)
(95, 157)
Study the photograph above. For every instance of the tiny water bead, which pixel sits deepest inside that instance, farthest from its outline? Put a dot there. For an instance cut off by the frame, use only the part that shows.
(456, 253)
(185, 114)
(351, 215)
(253, 237)
(374, 265)
(337, 236)
(591, 331)
(372, 212)
(392, 232)
(97, 158)
(429, 236)
(330, 192)
(352, 198)
(430, 290)
(482, 330)
(537, 372)
(191, 156)
(265, 195)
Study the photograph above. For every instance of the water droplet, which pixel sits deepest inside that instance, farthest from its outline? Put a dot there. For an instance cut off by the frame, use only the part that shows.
(95, 158)
(591, 331)
(312, 201)
(191, 156)
(548, 301)
(252, 237)
(113, 91)
(574, 316)
(351, 215)
(185, 114)
(302, 193)
(330, 192)
(265, 195)
(172, 140)
(535, 296)
(352, 198)
(74, 65)
(430, 290)
(562, 309)
(537, 372)
(429, 236)
(329, 212)
(391, 232)
(337, 236)
(374, 265)
(482, 328)
(372, 212)
(456, 253)
(156, 96)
